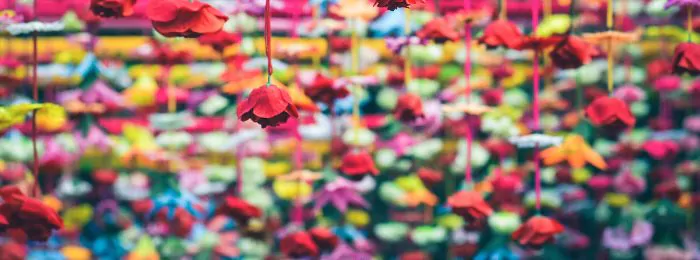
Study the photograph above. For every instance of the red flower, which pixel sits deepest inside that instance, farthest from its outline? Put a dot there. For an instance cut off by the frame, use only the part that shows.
(429, 176)
(572, 52)
(182, 223)
(471, 206)
(141, 207)
(414, 255)
(661, 150)
(324, 238)
(667, 83)
(267, 106)
(501, 33)
(13, 251)
(498, 147)
(537, 231)
(438, 30)
(409, 107)
(502, 71)
(658, 68)
(358, 164)
(507, 184)
(322, 90)
(537, 43)
(112, 8)
(238, 209)
(686, 58)
(393, 4)
(298, 245)
(105, 176)
(184, 18)
(26, 217)
(492, 97)
(611, 114)
(219, 40)
(668, 190)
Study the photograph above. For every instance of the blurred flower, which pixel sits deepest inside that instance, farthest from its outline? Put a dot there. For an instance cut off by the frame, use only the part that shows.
(575, 151)
(537, 231)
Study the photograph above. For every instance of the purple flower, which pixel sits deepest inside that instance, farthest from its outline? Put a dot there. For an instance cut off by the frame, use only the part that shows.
(396, 44)
(101, 93)
(401, 143)
(692, 123)
(95, 138)
(618, 239)
(341, 193)
(681, 3)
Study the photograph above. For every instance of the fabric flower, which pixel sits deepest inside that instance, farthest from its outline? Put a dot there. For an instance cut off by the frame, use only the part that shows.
(26, 217)
(438, 30)
(501, 33)
(667, 83)
(575, 151)
(358, 164)
(618, 239)
(324, 238)
(471, 206)
(112, 8)
(219, 40)
(183, 18)
(267, 106)
(299, 245)
(611, 114)
(537, 231)
(537, 43)
(323, 89)
(686, 59)
(661, 149)
(409, 107)
(341, 193)
(394, 4)
(572, 52)
(238, 209)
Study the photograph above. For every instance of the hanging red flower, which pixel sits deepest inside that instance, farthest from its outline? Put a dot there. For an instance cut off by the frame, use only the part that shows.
(26, 217)
(394, 4)
(298, 245)
(611, 114)
(492, 97)
(267, 106)
(238, 209)
(661, 149)
(499, 147)
(572, 52)
(429, 176)
(537, 231)
(358, 164)
(184, 18)
(686, 59)
(471, 206)
(112, 8)
(182, 222)
(438, 30)
(657, 68)
(105, 176)
(219, 40)
(501, 33)
(537, 43)
(322, 90)
(409, 107)
(324, 238)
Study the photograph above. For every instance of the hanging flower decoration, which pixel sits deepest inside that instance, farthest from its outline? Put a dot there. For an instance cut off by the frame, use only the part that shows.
(357, 164)
(686, 59)
(355, 9)
(611, 114)
(184, 18)
(267, 106)
(471, 206)
(537, 232)
(17, 114)
(323, 89)
(395, 4)
(112, 8)
(341, 193)
(238, 209)
(26, 218)
(409, 107)
(501, 33)
(298, 245)
(219, 40)
(575, 151)
(439, 30)
(572, 52)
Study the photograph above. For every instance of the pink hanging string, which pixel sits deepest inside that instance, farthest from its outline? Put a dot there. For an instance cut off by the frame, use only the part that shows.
(35, 94)
(268, 41)
(535, 4)
(467, 93)
(298, 213)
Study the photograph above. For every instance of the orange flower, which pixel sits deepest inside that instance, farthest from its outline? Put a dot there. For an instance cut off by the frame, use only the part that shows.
(611, 37)
(354, 9)
(574, 150)
(418, 197)
(301, 100)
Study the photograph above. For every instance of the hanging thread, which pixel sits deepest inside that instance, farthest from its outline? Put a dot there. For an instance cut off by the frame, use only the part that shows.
(467, 93)
(536, 105)
(268, 42)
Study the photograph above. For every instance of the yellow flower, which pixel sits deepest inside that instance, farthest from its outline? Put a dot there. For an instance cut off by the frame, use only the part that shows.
(51, 119)
(76, 253)
(416, 198)
(301, 175)
(143, 92)
(617, 199)
(580, 175)
(275, 169)
(16, 114)
(358, 218)
(76, 217)
(52, 202)
(520, 75)
(301, 100)
(289, 190)
(355, 9)
(575, 151)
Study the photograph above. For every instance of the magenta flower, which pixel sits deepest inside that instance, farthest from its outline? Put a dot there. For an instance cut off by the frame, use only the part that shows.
(401, 143)
(627, 182)
(681, 3)
(341, 193)
(629, 93)
(95, 138)
(667, 83)
(692, 123)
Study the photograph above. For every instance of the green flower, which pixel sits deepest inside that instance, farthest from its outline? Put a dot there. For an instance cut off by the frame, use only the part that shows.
(391, 231)
(71, 22)
(213, 104)
(424, 235)
(218, 173)
(253, 249)
(385, 158)
(387, 98)
(553, 24)
(451, 221)
(504, 222)
(549, 198)
(427, 149)
(410, 183)
(391, 193)
(426, 88)
(359, 137)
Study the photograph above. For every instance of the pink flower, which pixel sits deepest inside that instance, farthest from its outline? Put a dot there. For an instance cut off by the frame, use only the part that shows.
(627, 182)
(667, 83)
(629, 93)
(692, 123)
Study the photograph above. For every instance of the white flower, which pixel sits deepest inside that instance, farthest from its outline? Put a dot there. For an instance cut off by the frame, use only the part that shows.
(532, 140)
(35, 26)
(501, 127)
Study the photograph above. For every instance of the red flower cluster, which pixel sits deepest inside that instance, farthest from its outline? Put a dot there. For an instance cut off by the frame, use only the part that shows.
(438, 30)
(112, 8)
(537, 231)
(322, 90)
(267, 106)
(471, 206)
(238, 209)
(611, 114)
(409, 107)
(24, 217)
(324, 238)
(183, 18)
(358, 164)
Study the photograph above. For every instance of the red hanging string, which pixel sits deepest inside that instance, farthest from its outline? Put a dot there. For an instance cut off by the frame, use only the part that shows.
(468, 91)
(536, 104)
(268, 36)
